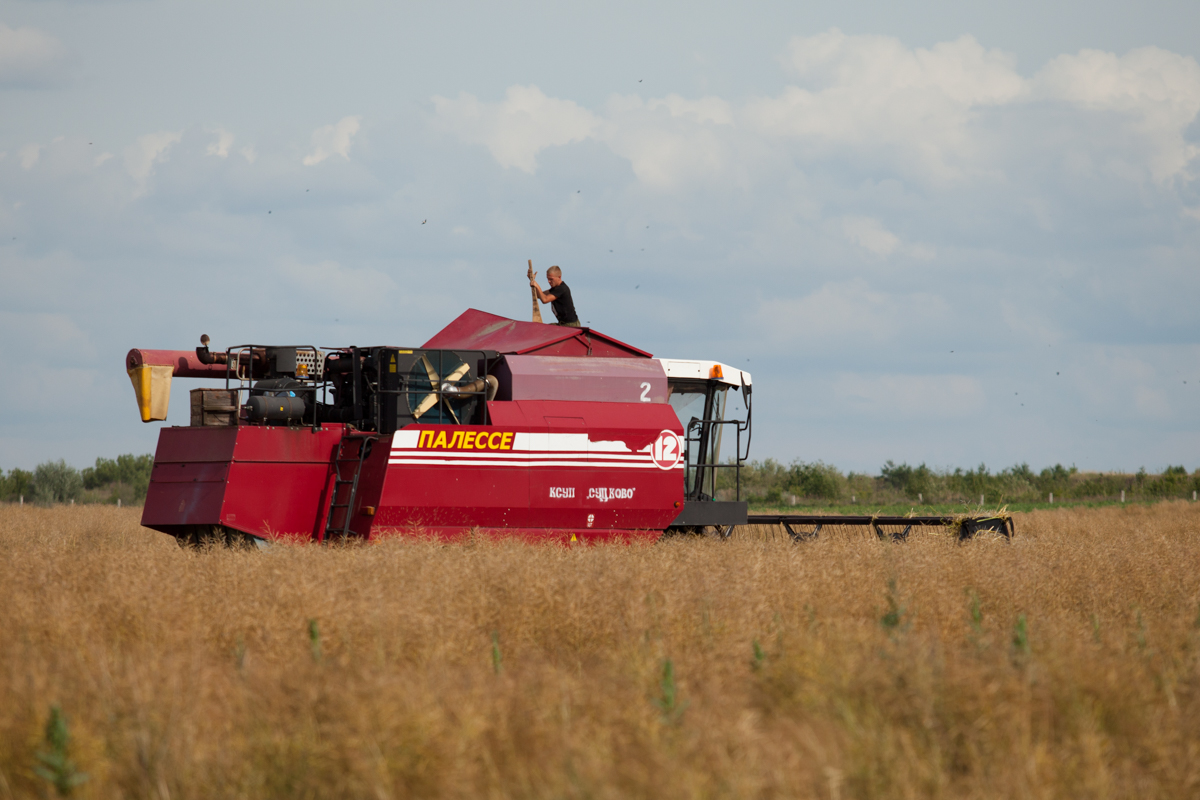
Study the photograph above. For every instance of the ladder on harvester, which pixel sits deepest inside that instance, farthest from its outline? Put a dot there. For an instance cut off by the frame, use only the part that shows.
(352, 452)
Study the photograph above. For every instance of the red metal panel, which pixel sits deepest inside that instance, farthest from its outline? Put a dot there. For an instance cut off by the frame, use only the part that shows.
(620, 380)
(267, 481)
(478, 330)
(203, 472)
(544, 470)
(173, 504)
(277, 443)
(634, 424)
(187, 484)
(274, 500)
(587, 342)
(191, 445)
(544, 466)
(564, 536)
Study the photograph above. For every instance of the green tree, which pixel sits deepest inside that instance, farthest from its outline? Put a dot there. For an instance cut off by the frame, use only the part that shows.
(129, 470)
(56, 482)
(18, 483)
(910, 480)
(815, 480)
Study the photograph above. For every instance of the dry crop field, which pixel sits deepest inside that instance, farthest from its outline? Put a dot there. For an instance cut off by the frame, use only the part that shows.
(1064, 664)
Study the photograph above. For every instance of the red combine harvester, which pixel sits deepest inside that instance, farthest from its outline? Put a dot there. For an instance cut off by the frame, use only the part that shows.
(494, 425)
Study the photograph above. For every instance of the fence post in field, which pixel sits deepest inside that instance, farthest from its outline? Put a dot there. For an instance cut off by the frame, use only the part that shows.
(1193, 495)
(1122, 495)
(118, 502)
(1052, 498)
(980, 499)
(921, 497)
(22, 497)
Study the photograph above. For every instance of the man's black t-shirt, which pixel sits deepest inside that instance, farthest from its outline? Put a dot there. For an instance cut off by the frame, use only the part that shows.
(564, 308)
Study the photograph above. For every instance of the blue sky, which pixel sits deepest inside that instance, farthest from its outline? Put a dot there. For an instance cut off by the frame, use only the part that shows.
(950, 232)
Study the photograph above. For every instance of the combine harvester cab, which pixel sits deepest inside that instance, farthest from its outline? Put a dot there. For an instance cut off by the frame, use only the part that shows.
(493, 425)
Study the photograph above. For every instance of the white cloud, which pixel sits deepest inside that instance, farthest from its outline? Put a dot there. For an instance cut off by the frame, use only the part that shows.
(870, 235)
(29, 155)
(913, 107)
(849, 311)
(955, 112)
(518, 128)
(961, 71)
(706, 109)
(148, 150)
(666, 140)
(28, 56)
(220, 147)
(330, 140)
(249, 153)
(1151, 403)
(55, 330)
(669, 142)
(871, 92)
(1158, 90)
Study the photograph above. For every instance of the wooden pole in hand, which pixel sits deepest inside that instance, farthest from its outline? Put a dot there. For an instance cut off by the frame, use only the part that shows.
(537, 312)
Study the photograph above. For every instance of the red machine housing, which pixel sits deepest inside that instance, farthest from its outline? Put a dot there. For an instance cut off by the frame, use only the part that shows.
(579, 443)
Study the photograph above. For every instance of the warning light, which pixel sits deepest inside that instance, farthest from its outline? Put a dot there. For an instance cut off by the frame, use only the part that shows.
(715, 372)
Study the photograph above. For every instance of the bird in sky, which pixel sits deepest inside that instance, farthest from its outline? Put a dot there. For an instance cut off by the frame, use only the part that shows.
(424, 221)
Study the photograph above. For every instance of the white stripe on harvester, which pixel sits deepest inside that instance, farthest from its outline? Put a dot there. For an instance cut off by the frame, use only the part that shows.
(409, 439)
(482, 463)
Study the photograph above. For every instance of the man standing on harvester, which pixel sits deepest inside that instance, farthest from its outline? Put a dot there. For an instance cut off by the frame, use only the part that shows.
(559, 297)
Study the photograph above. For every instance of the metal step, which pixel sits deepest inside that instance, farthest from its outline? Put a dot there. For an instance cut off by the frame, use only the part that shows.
(340, 460)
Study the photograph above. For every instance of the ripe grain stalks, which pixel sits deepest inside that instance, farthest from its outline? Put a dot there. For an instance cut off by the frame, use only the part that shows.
(1064, 663)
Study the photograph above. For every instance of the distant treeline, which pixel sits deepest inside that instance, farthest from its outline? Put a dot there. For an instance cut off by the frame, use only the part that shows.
(770, 482)
(127, 477)
(124, 478)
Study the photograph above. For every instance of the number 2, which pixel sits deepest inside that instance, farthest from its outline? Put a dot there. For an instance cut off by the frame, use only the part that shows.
(645, 391)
